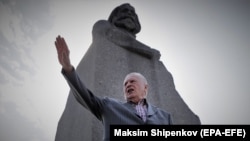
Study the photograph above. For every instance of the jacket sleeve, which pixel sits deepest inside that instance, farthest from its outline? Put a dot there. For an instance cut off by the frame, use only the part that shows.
(83, 95)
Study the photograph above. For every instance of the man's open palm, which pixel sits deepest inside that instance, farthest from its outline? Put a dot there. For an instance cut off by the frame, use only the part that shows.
(63, 53)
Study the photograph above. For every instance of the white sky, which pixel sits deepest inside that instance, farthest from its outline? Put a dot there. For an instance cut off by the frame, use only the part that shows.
(204, 44)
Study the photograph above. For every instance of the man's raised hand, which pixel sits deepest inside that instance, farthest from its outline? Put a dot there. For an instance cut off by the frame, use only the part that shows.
(63, 53)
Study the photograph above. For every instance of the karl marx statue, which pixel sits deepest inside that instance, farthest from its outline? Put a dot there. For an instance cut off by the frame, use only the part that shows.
(125, 18)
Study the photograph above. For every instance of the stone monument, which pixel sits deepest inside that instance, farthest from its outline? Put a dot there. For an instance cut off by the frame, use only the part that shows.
(115, 52)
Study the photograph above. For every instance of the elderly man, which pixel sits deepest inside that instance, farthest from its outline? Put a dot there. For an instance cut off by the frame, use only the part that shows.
(137, 110)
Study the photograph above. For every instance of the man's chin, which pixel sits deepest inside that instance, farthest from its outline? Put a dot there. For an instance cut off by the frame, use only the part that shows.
(130, 97)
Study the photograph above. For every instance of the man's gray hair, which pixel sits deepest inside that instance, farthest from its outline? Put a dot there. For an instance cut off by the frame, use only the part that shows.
(140, 75)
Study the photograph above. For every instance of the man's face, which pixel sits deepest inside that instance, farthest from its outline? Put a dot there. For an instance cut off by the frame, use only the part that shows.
(134, 88)
(127, 19)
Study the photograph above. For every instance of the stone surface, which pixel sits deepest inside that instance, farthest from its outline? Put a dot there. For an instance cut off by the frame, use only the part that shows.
(113, 54)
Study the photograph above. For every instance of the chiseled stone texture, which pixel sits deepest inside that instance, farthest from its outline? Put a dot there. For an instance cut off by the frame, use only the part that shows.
(113, 54)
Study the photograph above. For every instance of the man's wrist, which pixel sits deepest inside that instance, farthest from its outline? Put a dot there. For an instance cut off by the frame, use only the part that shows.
(68, 69)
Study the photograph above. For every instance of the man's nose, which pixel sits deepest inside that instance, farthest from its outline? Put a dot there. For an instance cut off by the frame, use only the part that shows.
(128, 85)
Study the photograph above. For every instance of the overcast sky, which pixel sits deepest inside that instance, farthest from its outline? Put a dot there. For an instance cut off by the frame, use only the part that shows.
(204, 44)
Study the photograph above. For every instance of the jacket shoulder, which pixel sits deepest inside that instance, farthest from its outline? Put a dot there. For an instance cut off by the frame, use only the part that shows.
(112, 100)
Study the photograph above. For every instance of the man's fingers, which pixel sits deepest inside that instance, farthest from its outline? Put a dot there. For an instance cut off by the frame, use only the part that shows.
(62, 51)
(57, 46)
(65, 46)
(61, 44)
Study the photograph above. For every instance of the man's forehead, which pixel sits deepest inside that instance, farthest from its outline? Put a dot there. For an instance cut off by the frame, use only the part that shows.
(132, 76)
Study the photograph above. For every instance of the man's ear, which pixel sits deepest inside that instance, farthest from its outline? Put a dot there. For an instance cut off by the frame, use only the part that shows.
(146, 89)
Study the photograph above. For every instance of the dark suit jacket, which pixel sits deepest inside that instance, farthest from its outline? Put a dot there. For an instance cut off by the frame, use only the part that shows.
(111, 111)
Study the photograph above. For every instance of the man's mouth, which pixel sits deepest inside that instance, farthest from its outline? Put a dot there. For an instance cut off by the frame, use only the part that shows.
(130, 90)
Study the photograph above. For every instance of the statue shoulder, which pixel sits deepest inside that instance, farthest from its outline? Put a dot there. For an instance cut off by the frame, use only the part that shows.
(100, 28)
(101, 24)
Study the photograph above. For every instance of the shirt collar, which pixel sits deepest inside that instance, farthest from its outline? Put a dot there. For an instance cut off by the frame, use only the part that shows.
(141, 102)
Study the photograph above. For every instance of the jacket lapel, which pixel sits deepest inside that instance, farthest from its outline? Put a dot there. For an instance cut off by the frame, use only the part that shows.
(151, 110)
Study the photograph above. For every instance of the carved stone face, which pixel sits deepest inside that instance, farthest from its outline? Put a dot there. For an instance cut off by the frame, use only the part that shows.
(124, 17)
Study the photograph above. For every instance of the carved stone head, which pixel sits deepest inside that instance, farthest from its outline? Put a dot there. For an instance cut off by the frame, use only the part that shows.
(125, 18)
